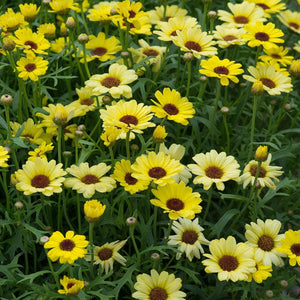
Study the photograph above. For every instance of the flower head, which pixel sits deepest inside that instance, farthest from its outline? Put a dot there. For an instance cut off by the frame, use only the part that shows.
(213, 167)
(71, 286)
(11, 21)
(230, 260)
(61, 7)
(66, 248)
(227, 35)
(29, 11)
(165, 13)
(3, 157)
(261, 153)
(40, 151)
(160, 286)
(189, 238)
(291, 19)
(93, 210)
(261, 273)
(270, 7)
(159, 134)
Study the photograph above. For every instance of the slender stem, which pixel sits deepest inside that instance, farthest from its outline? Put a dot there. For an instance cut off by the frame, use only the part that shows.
(252, 126)
(52, 271)
(127, 145)
(131, 233)
(78, 213)
(257, 54)
(83, 18)
(227, 133)
(4, 185)
(155, 224)
(91, 239)
(255, 179)
(59, 139)
(169, 230)
(59, 212)
(85, 61)
(210, 192)
(189, 67)
(204, 16)
(111, 152)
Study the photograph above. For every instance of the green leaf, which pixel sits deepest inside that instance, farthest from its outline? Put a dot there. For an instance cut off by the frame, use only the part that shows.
(3, 123)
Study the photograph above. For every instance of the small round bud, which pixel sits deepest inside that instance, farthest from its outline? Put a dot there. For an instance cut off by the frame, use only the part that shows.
(70, 23)
(46, 2)
(13, 179)
(290, 212)
(294, 68)
(81, 127)
(8, 43)
(284, 283)
(212, 14)
(203, 78)
(188, 56)
(155, 256)
(273, 102)
(86, 283)
(269, 293)
(6, 99)
(83, 38)
(125, 54)
(48, 228)
(225, 110)
(159, 134)
(288, 107)
(261, 153)
(60, 115)
(113, 11)
(67, 153)
(243, 84)
(134, 147)
(19, 205)
(7, 149)
(131, 221)
(44, 239)
(79, 133)
(106, 99)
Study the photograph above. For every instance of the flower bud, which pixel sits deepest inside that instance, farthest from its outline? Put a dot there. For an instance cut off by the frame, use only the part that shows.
(225, 110)
(60, 115)
(212, 14)
(48, 228)
(70, 23)
(159, 134)
(8, 43)
(188, 56)
(284, 283)
(135, 147)
(19, 205)
(81, 127)
(269, 294)
(67, 153)
(83, 38)
(257, 88)
(287, 107)
(125, 54)
(155, 256)
(261, 153)
(243, 84)
(106, 99)
(6, 99)
(78, 133)
(44, 239)
(203, 78)
(131, 221)
(93, 210)
(295, 67)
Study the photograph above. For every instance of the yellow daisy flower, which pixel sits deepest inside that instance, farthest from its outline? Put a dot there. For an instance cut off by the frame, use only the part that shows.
(189, 238)
(263, 237)
(222, 69)
(230, 260)
(290, 245)
(178, 200)
(274, 82)
(270, 7)
(291, 19)
(159, 134)
(85, 6)
(227, 35)
(129, 116)
(87, 180)
(265, 176)
(93, 210)
(115, 82)
(31, 132)
(171, 105)
(259, 34)
(261, 273)
(71, 286)
(101, 12)
(101, 48)
(29, 11)
(294, 68)
(107, 254)
(40, 151)
(195, 41)
(66, 249)
(213, 167)
(40, 176)
(165, 13)
(61, 7)
(60, 44)
(157, 167)
(161, 286)
(110, 135)
(167, 30)
(275, 55)
(48, 30)
(123, 174)
(242, 14)
(11, 21)
(31, 41)
(31, 67)
(3, 157)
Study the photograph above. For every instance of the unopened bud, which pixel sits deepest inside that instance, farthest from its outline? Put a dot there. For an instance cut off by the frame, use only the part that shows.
(8, 43)
(257, 88)
(243, 84)
(6, 99)
(48, 228)
(44, 239)
(7, 149)
(106, 99)
(273, 102)
(79, 133)
(225, 110)
(212, 14)
(159, 134)
(67, 153)
(155, 256)
(295, 67)
(188, 56)
(125, 54)
(60, 115)
(269, 293)
(203, 78)
(113, 11)
(261, 153)
(19, 205)
(70, 23)
(81, 127)
(46, 2)
(288, 107)
(86, 283)
(131, 221)
(290, 212)
(83, 38)
(134, 147)
(284, 283)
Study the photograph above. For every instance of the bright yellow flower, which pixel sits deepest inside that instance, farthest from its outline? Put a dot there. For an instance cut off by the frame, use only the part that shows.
(227, 35)
(71, 286)
(29, 11)
(270, 6)
(110, 135)
(66, 249)
(261, 273)
(275, 55)
(3, 157)
(291, 19)
(165, 13)
(261, 153)
(11, 21)
(40, 151)
(93, 210)
(101, 12)
(159, 134)
(61, 7)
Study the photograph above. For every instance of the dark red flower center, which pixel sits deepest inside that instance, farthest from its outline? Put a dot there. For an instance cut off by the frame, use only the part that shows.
(263, 5)
(30, 67)
(158, 294)
(265, 243)
(229, 37)
(276, 56)
(110, 82)
(213, 172)
(157, 172)
(191, 45)
(90, 179)
(268, 82)
(262, 172)
(262, 36)
(105, 254)
(129, 179)
(32, 44)
(174, 33)
(221, 70)
(87, 101)
(190, 237)
(295, 25)
(128, 119)
(69, 285)
(171, 109)
(98, 51)
(175, 204)
(40, 181)
(67, 245)
(295, 248)
(228, 263)
(241, 20)
(132, 14)
(150, 52)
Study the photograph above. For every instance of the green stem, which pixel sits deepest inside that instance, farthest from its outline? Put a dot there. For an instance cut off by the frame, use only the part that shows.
(189, 68)
(52, 271)
(85, 62)
(83, 18)
(78, 213)
(4, 185)
(59, 141)
(252, 126)
(127, 145)
(210, 192)
(155, 224)
(91, 239)
(204, 16)
(227, 134)
(131, 234)
(111, 152)
(169, 230)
